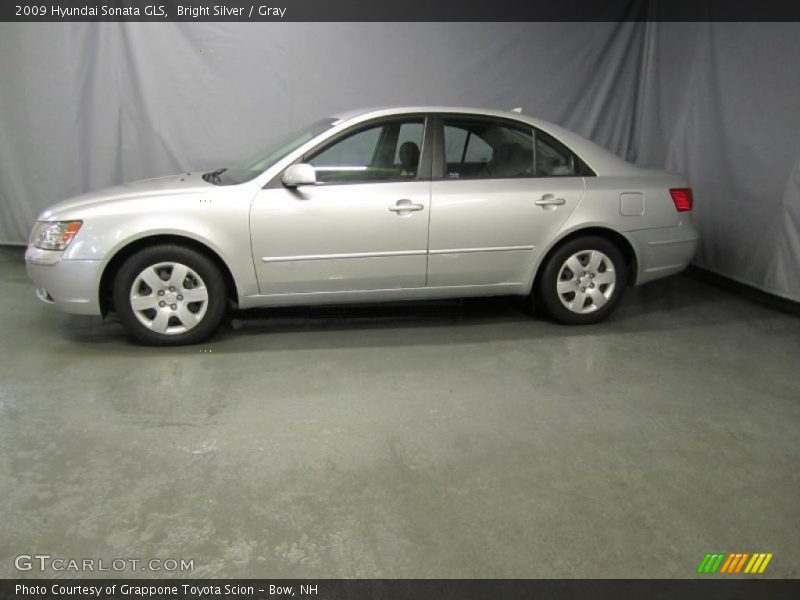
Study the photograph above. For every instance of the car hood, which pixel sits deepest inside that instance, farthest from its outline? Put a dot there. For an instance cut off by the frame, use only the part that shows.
(158, 186)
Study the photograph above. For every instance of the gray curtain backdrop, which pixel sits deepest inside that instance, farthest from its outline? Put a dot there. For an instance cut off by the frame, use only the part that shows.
(84, 106)
(722, 105)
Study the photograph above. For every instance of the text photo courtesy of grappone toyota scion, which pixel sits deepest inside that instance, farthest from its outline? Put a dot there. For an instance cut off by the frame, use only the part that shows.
(387, 204)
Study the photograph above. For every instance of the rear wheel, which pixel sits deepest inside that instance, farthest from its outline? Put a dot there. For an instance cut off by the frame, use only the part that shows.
(169, 296)
(582, 281)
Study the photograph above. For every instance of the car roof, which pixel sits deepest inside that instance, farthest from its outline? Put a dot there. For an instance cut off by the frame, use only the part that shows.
(377, 110)
(602, 161)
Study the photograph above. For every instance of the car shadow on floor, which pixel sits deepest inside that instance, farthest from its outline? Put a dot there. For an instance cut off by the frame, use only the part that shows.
(669, 304)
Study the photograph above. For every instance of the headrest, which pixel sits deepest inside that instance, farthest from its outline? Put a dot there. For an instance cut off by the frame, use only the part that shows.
(409, 156)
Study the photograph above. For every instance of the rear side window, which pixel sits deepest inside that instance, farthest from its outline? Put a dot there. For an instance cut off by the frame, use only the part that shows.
(476, 148)
(554, 159)
(485, 149)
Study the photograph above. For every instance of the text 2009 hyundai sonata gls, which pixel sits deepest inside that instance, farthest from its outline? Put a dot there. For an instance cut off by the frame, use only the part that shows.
(389, 204)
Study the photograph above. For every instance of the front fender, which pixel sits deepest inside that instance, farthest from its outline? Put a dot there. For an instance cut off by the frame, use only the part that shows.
(222, 225)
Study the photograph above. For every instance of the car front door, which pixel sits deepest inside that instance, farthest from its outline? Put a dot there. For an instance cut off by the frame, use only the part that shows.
(499, 194)
(362, 226)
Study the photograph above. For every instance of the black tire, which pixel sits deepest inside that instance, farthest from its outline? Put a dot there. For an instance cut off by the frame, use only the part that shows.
(546, 293)
(201, 269)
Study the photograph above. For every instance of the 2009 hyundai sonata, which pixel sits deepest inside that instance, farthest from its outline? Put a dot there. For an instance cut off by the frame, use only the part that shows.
(389, 204)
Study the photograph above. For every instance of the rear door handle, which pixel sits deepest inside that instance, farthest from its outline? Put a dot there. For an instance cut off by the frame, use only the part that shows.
(405, 206)
(550, 200)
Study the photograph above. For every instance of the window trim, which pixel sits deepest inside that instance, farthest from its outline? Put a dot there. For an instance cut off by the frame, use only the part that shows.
(425, 157)
(439, 161)
(581, 168)
(463, 150)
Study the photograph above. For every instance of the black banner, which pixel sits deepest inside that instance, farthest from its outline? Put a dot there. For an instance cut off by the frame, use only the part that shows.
(399, 10)
(402, 589)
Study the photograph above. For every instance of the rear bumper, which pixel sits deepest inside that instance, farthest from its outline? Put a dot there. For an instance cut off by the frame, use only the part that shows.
(663, 251)
(67, 285)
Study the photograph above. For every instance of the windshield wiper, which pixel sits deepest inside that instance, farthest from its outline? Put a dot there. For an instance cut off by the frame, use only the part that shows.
(213, 176)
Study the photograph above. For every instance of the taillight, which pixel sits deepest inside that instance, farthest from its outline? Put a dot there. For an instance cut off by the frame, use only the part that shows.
(682, 197)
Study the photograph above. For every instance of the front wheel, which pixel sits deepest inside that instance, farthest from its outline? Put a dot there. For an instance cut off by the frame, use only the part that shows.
(169, 296)
(582, 281)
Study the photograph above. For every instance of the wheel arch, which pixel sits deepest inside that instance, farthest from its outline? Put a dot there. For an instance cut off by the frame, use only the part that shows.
(619, 240)
(112, 267)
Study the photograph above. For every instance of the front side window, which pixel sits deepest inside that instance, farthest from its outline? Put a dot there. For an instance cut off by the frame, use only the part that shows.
(389, 151)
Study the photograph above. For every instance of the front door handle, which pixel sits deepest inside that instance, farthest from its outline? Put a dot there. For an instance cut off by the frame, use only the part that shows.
(405, 206)
(550, 200)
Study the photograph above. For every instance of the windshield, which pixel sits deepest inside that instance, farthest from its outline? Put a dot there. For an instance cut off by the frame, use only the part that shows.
(258, 163)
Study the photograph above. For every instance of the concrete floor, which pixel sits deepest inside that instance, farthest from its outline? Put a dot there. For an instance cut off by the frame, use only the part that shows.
(453, 439)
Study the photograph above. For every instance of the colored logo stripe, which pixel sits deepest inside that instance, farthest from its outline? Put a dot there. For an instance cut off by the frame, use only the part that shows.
(710, 563)
(734, 562)
(758, 563)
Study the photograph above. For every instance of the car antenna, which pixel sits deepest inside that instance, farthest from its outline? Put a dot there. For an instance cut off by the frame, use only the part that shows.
(517, 110)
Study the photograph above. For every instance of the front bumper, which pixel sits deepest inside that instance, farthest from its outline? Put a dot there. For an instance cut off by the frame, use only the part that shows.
(68, 285)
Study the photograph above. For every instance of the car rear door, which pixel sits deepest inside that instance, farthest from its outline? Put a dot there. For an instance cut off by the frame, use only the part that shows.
(491, 211)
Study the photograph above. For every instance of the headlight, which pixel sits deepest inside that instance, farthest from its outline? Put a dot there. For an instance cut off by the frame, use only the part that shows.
(54, 235)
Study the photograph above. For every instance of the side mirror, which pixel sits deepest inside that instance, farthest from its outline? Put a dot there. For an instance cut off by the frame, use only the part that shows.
(300, 174)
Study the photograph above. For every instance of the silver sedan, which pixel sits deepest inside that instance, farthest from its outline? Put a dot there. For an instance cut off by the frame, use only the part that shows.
(388, 204)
